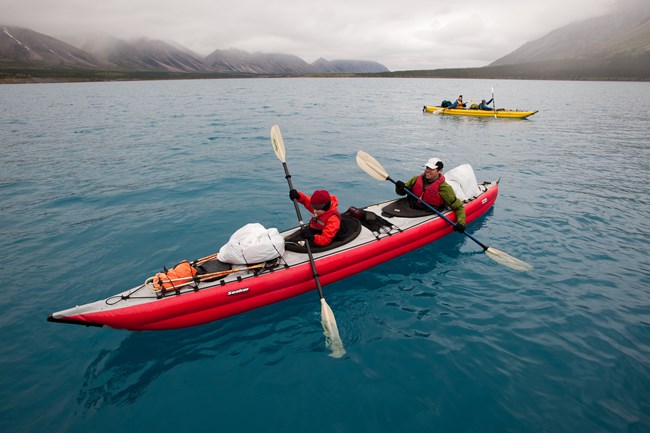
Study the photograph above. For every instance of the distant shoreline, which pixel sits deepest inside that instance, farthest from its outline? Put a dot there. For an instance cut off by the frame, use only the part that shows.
(576, 71)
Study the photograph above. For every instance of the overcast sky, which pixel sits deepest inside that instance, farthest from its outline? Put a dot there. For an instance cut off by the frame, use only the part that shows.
(400, 34)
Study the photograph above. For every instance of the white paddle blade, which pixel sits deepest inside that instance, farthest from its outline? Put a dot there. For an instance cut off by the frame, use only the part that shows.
(278, 143)
(507, 260)
(371, 166)
(331, 331)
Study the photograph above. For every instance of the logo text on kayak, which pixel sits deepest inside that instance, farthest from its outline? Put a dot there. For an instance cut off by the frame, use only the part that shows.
(238, 291)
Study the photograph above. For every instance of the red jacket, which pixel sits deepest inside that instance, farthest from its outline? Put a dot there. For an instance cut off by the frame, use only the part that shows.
(326, 225)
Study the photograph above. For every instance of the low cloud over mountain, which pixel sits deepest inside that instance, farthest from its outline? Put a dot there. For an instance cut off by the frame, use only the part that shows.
(612, 47)
(618, 43)
(28, 48)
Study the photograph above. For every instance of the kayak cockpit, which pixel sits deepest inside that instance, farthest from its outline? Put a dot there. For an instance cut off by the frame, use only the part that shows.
(350, 229)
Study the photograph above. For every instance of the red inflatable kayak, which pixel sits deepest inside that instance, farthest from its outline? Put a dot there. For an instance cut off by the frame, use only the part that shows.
(376, 233)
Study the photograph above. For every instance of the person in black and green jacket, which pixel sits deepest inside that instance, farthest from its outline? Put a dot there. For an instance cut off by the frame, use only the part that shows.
(431, 188)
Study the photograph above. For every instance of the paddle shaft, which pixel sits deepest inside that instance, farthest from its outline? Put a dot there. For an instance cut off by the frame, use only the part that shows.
(302, 225)
(440, 214)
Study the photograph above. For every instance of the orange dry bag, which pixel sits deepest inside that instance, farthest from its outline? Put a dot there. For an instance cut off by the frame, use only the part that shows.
(181, 274)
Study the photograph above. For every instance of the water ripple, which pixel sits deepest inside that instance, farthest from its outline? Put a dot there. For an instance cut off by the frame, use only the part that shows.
(105, 183)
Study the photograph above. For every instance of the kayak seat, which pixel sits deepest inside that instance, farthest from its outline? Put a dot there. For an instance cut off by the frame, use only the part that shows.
(350, 229)
(402, 208)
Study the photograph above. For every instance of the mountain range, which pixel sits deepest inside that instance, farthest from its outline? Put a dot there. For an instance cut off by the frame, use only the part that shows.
(21, 47)
(623, 34)
(611, 47)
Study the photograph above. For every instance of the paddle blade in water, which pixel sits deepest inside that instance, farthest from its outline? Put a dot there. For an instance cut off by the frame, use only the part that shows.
(507, 260)
(331, 331)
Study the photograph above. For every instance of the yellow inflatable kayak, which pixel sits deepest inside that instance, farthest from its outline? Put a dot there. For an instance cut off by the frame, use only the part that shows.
(510, 114)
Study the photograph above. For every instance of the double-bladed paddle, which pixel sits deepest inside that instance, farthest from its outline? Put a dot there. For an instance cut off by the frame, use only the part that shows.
(331, 331)
(371, 166)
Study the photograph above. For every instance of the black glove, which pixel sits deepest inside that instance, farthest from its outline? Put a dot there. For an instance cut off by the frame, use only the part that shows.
(293, 195)
(400, 188)
(459, 227)
(307, 234)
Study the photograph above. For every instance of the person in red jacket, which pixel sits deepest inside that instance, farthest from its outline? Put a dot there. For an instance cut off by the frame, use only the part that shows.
(326, 222)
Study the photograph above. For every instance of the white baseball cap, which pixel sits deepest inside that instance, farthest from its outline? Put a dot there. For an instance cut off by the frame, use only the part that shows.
(434, 163)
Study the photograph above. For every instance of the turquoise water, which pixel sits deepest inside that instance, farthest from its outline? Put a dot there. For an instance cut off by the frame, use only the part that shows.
(102, 184)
